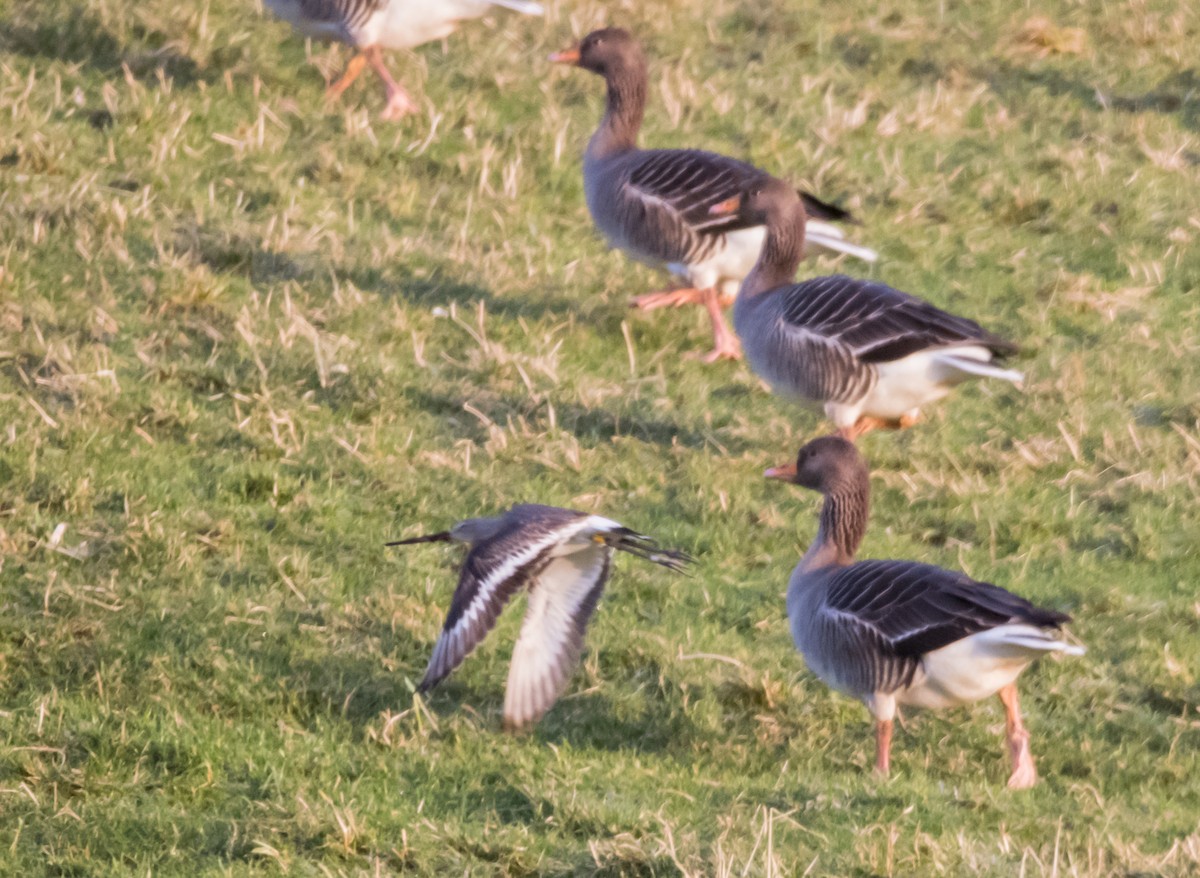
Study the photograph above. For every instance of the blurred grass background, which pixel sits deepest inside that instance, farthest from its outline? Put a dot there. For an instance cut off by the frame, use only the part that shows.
(245, 338)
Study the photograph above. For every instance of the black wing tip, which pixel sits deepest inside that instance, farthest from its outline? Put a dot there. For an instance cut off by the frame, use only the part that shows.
(440, 537)
(823, 210)
(1052, 618)
(429, 681)
(647, 547)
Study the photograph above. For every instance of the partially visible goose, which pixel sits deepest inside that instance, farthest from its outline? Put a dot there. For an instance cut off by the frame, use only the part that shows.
(654, 203)
(564, 559)
(871, 355)
(369, 26)
(900, 632)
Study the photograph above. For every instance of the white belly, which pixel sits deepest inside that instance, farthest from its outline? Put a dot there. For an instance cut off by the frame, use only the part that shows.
(408, 23)
(915, 380)
(729, 263)
(969, 670)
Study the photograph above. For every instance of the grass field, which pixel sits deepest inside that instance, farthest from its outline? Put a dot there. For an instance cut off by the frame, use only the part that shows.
(245, 338)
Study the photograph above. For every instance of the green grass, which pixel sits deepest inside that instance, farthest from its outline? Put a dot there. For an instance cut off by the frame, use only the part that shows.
(245, 339)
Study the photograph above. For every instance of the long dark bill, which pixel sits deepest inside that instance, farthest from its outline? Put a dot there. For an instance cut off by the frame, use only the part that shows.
(442, 537)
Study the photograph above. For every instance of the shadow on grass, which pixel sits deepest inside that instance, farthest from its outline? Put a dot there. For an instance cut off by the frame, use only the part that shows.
(1175, 94)
(83, 39)
(594, 425)
(592, 721)
(422, 285)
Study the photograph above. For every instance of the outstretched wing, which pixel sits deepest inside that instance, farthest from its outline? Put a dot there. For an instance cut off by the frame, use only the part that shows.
(493, 572)
(876, 323)
(562, 600)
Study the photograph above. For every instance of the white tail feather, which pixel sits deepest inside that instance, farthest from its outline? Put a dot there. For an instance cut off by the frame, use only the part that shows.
(979, 368)
(829, 237)
(1028, 638)
(526, 6)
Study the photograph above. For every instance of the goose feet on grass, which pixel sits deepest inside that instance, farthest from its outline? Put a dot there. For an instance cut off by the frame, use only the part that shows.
(866, 424)
(399, 102)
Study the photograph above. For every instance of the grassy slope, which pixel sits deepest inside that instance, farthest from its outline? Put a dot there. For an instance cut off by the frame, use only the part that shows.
(244, 339)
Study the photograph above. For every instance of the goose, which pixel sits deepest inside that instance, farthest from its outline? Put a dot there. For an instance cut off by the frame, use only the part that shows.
(564, 559)
(869, 354)
(893, 633)
(369, 26)
(653, 203)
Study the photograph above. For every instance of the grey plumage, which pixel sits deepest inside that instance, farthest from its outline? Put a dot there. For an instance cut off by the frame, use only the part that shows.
(370, 26)
(891, 632)
(824, 339)
(656, 205)
(862, 350)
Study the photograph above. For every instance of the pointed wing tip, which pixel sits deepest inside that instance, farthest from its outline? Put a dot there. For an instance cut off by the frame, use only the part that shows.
(647, 547)
(674, 559)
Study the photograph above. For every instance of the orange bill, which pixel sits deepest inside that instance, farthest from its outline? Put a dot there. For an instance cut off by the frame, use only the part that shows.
(727, 207)
(566, 56)
(781, 472)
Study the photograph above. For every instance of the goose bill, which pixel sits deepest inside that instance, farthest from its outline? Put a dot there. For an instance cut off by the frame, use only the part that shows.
(566, 56)
(728, 207)
(785, 473)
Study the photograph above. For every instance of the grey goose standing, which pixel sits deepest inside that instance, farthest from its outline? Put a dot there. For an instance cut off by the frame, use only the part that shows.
(370, 26)
(564, 559)
(898, 632)
(654, 203)
(869, 354)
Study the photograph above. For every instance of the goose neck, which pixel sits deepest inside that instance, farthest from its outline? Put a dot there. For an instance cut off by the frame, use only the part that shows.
(625, 107)
(782, 251)
(843, 525)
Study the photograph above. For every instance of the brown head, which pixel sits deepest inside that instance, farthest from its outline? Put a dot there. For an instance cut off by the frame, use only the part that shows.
(834, 467)
(610, 52)
(765, 202)
(775, 204)
(829, 465)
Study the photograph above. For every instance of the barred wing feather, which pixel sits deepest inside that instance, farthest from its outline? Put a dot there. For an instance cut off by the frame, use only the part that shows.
(877, 323)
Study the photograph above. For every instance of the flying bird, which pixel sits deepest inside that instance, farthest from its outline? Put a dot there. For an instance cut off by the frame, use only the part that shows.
(654, 203)
(564, 559)
(899, 632)
(370, 26)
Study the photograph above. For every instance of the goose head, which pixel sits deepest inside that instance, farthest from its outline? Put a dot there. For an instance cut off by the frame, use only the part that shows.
(824, 465)
(608, 52)
(769, 201)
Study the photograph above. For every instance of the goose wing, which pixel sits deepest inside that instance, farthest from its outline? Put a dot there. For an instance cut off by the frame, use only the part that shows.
(562, 600)
(876, 323)
(676, 188)
(348, 13)
(495, 569)
(880, 617)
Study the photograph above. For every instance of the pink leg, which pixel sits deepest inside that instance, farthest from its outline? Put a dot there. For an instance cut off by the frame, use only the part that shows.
(1024, 775)
(399, 103)
(865, 424)
(725, 343)
(348, 76)
(668, 298)
(883, 747)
